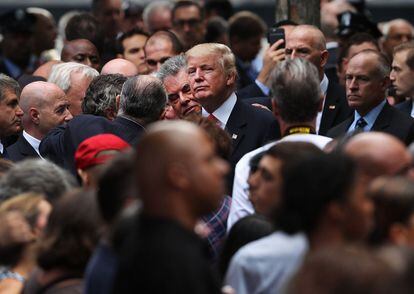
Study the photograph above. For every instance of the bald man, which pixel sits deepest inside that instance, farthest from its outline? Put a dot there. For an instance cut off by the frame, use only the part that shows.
(379, 154)
(45, 106)
(120, 66)
(183, 184)
(81, 51)
(308, 42)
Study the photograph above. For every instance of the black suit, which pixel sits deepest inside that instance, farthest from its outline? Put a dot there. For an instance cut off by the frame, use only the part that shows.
(389, 120)
(335, 109)
(61, 143)
(21, 150)
(405, 106)
(249, 128)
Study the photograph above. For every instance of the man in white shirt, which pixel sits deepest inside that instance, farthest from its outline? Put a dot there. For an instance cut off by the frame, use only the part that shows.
(296, 101)
(45, 106)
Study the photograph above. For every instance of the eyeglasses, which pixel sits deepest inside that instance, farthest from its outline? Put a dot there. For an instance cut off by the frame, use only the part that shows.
(152, 62)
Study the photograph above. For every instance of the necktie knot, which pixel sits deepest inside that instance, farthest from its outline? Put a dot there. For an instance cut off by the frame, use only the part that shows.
(212, 118)
(360, 124)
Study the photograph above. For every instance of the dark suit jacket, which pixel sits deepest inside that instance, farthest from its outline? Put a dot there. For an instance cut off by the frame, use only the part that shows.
(249, 128)
(335, 109)
(389, 120)
(61, 143)
(405, 106)
(21, 150)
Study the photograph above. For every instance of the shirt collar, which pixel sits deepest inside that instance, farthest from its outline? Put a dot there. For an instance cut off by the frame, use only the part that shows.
(370, 117)
(223, 112)
(1, 148)
(14, 70)
(32, 141)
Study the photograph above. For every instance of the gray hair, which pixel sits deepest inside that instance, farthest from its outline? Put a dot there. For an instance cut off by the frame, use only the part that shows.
(153, 7)
(101, 94)
(385, 28)
(6, 84)
(296, 90)
(172, 67)
(61, 72)
(143, 98)
(38, 176)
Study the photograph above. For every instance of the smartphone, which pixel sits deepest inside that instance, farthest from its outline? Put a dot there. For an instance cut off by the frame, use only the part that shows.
(275, 34)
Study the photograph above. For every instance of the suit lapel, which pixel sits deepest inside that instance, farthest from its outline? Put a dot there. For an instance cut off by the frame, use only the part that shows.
(25, 148)
(330, 109)
(383, 120)
(236, 123)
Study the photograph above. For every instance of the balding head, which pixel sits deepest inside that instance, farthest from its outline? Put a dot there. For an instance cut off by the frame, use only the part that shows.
(81, 51)
(181, 170)
(45, 69)
(378, 154)
(45, 107)
(120, 66)
(308, 42)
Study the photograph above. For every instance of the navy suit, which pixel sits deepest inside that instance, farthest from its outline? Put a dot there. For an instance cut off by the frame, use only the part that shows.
(61, 143)
(21, 150)
(389, 120)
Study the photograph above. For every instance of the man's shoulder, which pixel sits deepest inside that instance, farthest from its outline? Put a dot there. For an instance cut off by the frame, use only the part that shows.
(317, 140)
(246, 158)
(267, 249)
(256, 112)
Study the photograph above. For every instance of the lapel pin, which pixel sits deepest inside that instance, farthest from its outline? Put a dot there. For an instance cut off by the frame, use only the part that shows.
(234, 136)
(332, 106)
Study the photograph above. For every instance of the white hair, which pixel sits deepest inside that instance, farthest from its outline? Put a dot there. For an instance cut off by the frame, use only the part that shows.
(61, 72)
(42, 11)
(385, 28)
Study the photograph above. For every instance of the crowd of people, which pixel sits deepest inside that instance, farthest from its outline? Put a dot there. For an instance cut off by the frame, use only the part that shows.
(170, 148)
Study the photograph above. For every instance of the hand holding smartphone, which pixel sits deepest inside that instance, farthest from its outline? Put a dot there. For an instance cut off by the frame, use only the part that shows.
(275, 34)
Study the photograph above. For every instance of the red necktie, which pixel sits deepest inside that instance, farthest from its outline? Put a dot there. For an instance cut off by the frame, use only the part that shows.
(213, 119)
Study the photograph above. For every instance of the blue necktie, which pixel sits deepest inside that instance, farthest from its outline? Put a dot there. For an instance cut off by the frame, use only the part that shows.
(360, 124)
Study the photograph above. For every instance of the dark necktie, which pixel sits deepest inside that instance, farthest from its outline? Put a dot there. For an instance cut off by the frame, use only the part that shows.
(213, 119)
(360, 124)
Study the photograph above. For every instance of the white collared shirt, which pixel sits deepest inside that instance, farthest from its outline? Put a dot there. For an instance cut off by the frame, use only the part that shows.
(32, 141)
(223, 112)
(412, 108)
(1, 148)
(324, 88)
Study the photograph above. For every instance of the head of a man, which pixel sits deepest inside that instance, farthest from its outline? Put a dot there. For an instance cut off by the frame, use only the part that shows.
(379, 154)
(187, 174)
(357, 43)
(45, 31)
(131, 47)
(367, 79)
(396, 32)
(159, 47)
(173, 74)
(157, 16)
(81, 51)
(45, 106)
(110, 14)
(11, 113)
(296, 92)
(329, 200)
(212, 73)
(120, 66)
(188, 22)
(393, 199)
(246, 31)
(308, 42)
(143, 99)
(402, 73)
(100, 97)
(265, 182)
(73, 78)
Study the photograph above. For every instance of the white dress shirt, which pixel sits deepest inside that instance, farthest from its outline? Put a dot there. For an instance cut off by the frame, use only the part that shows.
(223, 112)
(32, 141)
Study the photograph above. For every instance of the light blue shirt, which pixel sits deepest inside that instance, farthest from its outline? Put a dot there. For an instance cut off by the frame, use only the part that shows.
(370, 118)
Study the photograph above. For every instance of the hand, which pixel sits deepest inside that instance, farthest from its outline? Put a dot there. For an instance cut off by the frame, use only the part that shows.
(273, 55)
(14, 229)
